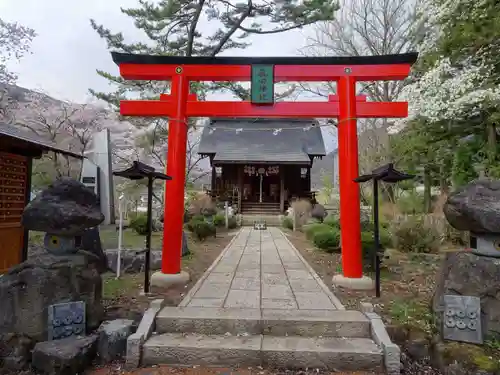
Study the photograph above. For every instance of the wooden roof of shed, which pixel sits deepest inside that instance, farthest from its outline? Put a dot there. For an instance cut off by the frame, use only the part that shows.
(12, 131)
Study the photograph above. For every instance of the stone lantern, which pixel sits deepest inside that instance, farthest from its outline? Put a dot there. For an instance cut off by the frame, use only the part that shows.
(466, 302)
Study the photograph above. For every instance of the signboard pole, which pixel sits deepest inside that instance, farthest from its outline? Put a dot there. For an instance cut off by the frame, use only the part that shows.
(120, 236)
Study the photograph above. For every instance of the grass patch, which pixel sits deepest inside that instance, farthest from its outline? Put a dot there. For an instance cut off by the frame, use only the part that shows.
(131, 240)
(412, 313)
(126, 285)
(474, 357)
(109, 238)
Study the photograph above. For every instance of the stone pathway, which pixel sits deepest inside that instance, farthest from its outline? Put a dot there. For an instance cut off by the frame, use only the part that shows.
(261, 269)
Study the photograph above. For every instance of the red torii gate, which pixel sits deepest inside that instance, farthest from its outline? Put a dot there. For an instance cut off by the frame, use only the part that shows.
(181, 104)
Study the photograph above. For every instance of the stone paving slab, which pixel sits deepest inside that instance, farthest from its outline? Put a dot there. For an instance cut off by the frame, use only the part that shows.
(261, 269)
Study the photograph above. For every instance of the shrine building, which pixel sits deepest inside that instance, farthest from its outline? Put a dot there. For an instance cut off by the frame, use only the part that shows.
(261, 165)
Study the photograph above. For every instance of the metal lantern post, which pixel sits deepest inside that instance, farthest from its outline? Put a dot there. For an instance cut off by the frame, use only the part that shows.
(385, 173)
(138, 171)
(120, 236)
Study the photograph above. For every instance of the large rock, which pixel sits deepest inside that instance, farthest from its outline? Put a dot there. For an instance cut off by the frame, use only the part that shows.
(15, 351)
(467, 274)
(475, 207)
(65, 208)
(318, 212)
(133, 261)
(68, 356)
(91, 243)
(30, 287)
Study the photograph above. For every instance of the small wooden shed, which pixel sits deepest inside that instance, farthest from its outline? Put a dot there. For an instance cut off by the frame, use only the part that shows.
(17, 151)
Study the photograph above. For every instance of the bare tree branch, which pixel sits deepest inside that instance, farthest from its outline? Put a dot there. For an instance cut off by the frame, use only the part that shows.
(367, 27)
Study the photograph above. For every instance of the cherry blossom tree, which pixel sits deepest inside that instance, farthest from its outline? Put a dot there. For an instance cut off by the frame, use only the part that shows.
(15, 41)
(66, 124)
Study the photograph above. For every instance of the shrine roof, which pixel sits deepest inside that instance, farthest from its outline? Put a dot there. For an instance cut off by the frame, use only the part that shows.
(262, 140)
(129, 58)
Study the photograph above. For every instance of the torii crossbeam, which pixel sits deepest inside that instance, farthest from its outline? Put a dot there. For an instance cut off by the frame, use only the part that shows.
(265, 71)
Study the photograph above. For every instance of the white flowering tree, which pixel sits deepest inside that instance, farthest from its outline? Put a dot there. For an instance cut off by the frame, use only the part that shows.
(454, 94)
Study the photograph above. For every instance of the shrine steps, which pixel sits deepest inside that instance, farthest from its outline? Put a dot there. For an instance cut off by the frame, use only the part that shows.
(248, 220)
(333, 340)
(257, 208)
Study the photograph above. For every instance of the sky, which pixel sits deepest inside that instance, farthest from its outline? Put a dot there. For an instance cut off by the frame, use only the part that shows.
(67, 51)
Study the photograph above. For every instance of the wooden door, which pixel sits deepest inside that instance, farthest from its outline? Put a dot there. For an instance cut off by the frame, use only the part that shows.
(13, 181)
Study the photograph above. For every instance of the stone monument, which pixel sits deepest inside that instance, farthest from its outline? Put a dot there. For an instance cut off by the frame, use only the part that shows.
(474, 272)
(97, 173)
(64, 272)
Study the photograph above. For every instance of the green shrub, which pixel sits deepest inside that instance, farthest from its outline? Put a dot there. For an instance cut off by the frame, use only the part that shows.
(368, 246)
(195, 219)
(385, 237)
(202, 229)
(455, 236)
(367, 226)
(328, 239)
(311, 229)
(287, 222)
(187, 216)
(412, 235)
(332, 221)
(368, 250)
(232, 223)
(411, 202)
(219, 220)
(140, 224)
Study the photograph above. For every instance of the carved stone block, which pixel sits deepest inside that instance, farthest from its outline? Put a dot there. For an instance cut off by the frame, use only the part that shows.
(66, 319)
(462, 319)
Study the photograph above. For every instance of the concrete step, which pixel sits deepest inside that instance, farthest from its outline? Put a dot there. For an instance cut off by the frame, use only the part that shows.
(246, 203)
(332, 353)
(258, 215)
(216, 321)
(263, 208)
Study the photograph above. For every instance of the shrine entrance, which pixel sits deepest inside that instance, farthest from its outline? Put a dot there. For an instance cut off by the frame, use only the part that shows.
(261, 184)
(264, 73)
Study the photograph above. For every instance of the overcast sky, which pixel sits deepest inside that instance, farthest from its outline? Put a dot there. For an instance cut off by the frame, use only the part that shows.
(67, 51)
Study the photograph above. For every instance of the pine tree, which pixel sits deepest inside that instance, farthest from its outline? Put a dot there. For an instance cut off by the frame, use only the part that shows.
(173, 28)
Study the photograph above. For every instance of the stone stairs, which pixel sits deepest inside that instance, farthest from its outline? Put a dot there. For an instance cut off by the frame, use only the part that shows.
(257, 208)
(335, 340)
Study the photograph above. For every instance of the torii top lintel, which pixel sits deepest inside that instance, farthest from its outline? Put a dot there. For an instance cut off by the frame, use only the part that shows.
(286, 69)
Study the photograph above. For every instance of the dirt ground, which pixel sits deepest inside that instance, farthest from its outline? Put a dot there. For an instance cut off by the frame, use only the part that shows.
(407, 286)
(123, 297)
(197, 370)
(407, 281)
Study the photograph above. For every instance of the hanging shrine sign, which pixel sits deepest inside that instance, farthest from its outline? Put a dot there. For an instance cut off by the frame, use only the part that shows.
(263, 73)
(262, 84)
(254, 171)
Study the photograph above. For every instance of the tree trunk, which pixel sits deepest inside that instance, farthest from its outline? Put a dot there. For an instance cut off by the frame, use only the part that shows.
(427, 191)
(443, 182)
(492, 143)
